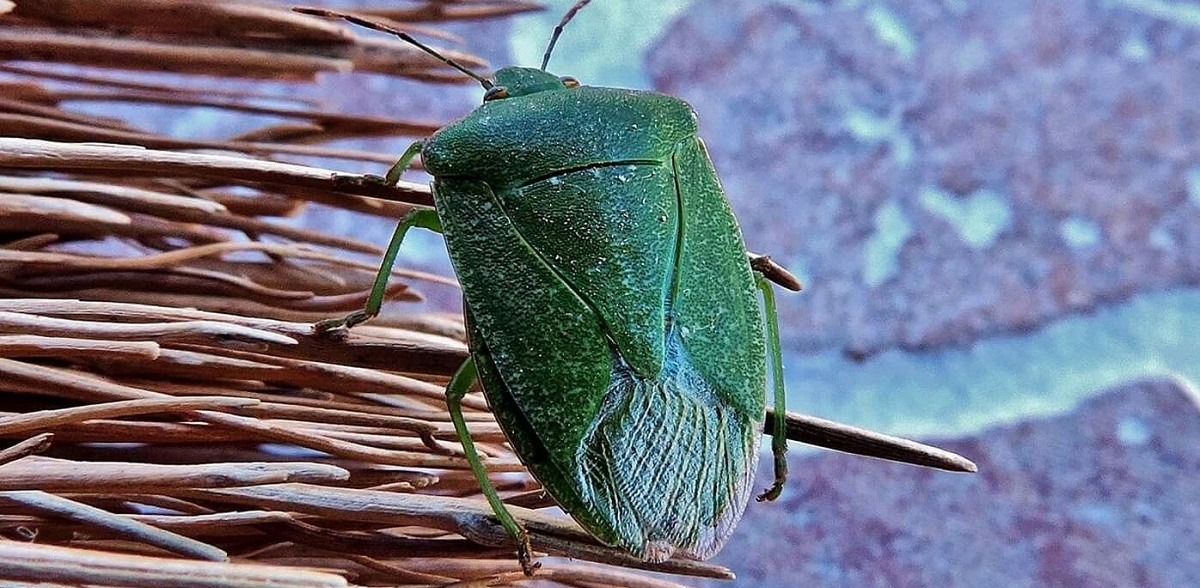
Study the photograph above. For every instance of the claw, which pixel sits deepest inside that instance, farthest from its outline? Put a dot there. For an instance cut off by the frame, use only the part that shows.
(337, 329)
(334, 329)
(772, 493)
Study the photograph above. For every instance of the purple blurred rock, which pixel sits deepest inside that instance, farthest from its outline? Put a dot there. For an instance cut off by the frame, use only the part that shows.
(1107, 495)
(1025, 159)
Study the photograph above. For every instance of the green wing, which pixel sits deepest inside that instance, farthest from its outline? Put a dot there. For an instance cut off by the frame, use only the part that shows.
(545, 342)
(716, 303)
(609, 232)
(670, 460)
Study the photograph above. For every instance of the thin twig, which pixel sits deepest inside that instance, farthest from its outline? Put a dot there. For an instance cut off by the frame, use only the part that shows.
(134, 161)
(196, 331)
(57, 475)
(33, 445)
(58, 506)
(41, 563)
(840, 437)
(47, 419)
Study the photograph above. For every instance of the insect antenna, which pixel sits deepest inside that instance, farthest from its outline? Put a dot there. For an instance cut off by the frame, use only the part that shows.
(370, 24)
(559, 29)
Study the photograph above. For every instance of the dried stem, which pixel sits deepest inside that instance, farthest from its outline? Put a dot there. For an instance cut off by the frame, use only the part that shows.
(57, 506)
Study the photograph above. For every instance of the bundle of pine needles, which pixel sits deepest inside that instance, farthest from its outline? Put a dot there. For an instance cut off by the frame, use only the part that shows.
(168, 414)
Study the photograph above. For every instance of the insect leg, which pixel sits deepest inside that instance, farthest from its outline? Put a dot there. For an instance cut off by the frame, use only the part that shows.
(458, 387)
(774, 272)
(775, 358)
(425, 218)
(393, 173)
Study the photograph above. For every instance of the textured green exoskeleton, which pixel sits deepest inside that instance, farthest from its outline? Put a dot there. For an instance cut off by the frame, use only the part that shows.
(614, 320)
(613, 316)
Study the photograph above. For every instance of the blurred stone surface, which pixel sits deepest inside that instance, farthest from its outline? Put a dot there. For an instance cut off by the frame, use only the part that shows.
(1106, 495)
(942, 171)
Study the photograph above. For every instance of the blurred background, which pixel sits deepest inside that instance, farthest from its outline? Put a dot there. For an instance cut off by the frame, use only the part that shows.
(995, 210)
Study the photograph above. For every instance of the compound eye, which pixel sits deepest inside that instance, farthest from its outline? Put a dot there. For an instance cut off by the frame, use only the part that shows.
(495, 93)
(570, 82)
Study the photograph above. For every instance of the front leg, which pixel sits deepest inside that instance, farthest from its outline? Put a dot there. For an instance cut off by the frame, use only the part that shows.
(422, 217)
(393, 173)
(426, 218)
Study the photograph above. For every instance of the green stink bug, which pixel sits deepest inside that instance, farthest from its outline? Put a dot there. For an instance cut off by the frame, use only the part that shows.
(614, 319)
